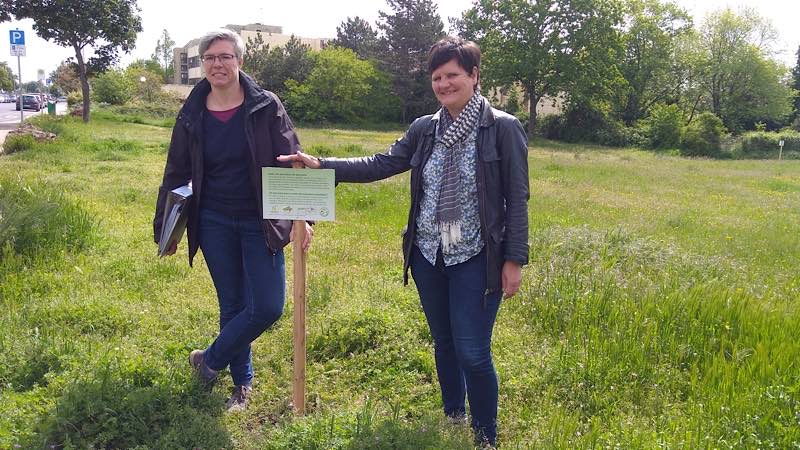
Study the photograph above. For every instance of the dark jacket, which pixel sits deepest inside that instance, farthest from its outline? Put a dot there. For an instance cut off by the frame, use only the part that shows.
(502, 183)
(269, 133)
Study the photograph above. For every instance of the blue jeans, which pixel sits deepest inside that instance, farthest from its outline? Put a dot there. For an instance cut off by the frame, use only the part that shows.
(251, 286)
(461, 322)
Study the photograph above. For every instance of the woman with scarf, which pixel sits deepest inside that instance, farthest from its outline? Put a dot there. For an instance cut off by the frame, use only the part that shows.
(467, 234)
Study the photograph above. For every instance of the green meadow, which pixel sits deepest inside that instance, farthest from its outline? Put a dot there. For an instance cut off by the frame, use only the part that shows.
(660, 309)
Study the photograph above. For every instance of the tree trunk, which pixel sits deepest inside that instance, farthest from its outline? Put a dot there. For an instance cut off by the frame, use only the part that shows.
(533, 101)
(84, 82)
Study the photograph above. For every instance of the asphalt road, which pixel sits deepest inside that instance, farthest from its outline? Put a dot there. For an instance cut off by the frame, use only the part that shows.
(9, 116)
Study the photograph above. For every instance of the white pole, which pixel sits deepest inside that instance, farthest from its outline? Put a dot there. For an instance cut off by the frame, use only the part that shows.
(19, 91)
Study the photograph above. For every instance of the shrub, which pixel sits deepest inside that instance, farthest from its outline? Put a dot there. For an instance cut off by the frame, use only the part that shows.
(74, 99)
(703, 136)
(585, 123)
(18, 142)
(763, 144)
(112, 87)
(796, 124)
(663, 127)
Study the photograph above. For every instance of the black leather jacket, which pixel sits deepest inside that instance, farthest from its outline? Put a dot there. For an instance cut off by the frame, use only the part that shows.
(502, 183)
(269, 132)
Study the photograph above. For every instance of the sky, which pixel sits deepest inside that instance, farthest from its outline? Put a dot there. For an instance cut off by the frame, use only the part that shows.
(186, 20)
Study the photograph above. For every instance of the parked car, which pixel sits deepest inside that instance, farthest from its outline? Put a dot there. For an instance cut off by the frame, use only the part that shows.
(30, 101)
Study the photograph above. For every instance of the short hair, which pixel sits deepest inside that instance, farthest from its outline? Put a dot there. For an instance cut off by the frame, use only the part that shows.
(466, 53)
(222, 34)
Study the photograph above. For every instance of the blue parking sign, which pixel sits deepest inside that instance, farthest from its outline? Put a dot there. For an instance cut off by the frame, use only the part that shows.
(17, 37)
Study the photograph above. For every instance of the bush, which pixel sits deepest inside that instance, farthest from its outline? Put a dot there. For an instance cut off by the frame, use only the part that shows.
(663, 127)
(18, 142)
(703, 136)
(74, 99)
(764, 144)
(112, 87)
(582, 123)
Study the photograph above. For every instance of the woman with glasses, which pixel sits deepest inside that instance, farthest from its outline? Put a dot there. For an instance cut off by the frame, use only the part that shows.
(228, 129)
(467, 234)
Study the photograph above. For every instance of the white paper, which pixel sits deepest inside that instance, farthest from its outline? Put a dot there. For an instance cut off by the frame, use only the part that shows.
(298, 194)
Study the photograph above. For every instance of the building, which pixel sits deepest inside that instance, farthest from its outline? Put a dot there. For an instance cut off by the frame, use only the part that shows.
(186, 59)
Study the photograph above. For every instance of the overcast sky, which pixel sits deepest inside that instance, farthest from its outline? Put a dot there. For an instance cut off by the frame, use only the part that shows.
(186, 20)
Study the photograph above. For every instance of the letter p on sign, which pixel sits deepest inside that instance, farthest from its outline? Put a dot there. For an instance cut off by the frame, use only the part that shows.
(17, 37)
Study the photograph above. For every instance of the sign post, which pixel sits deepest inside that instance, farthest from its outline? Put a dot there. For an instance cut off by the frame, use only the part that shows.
(298, 195)
(780, 152)
(17, 38)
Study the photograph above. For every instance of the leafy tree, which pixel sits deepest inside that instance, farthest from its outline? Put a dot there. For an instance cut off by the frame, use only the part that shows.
(338, 89)
(6, 77)
(65, 77)
(145, 81)
(150, 65)
(358, 35)
(113, 87)
(654, 71)
(163, 56)
(107, 26)
(409, 31)
(796, 85)
(664, 126)
(547, 47)
(33, 86)
(272, 67)
(742, 81)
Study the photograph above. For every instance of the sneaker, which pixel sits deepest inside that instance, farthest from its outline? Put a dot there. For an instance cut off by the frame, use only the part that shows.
(201, 370)
(238, 399)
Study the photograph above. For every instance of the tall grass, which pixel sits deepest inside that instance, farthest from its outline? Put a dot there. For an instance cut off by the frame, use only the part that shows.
(660, 309)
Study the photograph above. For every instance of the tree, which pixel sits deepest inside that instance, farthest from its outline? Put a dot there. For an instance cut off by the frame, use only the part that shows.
(149, 65)
(358, 35)
(66, 77)
(33, 86)
(338, 89)
(113, 87)
(796, 85)
(409, 31)
(146, 79)
(272, 67)
(163, 55)
(6, 77)
(654, 71)
(106, 26)
(742, 81)
(546, 47)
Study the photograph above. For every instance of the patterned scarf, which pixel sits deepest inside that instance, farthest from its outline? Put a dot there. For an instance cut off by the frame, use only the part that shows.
(448, 210)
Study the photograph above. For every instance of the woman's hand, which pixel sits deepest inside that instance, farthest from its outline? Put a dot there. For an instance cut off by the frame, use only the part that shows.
(308, 237)
(311, 162)
(512, 276)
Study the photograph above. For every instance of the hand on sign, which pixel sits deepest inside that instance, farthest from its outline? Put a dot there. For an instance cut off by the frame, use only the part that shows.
(311, 162)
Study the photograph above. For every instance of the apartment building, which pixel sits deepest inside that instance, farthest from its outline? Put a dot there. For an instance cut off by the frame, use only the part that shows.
(186, 59)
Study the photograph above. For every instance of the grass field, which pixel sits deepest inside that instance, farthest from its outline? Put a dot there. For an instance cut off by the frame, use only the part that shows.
(660, 309)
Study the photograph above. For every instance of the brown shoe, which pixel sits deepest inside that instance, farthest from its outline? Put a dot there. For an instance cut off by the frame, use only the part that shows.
(238, 399)
(204, 373)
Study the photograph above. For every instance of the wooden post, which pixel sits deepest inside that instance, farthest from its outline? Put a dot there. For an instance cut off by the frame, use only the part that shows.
(299, 296)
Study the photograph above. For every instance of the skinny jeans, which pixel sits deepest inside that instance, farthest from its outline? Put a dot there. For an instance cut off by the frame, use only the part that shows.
(461, 317)
(250, 282)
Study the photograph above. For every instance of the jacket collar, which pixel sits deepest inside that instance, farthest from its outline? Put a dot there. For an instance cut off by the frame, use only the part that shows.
(254, 97)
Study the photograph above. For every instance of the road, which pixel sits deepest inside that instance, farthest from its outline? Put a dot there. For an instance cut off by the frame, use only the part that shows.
(9, 116)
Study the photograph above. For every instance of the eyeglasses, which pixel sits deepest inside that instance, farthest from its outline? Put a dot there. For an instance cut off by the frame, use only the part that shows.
(225, 58)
